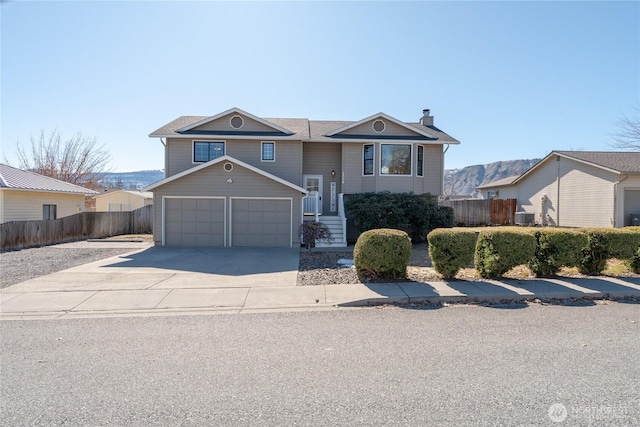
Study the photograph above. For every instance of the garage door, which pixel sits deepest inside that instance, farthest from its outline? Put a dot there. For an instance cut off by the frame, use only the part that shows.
(260, 222)
(631, 206)
(194, 222)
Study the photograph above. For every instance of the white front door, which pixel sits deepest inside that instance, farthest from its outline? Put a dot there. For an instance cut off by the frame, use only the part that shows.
(313, 184)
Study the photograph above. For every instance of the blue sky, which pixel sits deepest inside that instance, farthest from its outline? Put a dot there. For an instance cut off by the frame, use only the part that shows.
(510, 80)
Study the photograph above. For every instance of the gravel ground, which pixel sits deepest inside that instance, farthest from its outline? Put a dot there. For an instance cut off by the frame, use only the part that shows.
(18, 266)
(321, 268)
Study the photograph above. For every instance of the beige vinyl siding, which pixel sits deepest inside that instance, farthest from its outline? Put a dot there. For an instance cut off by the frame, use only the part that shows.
(391, 129)
(354, 182)
(120, 197)
(19, 205)
(224, 124)
(628, 191)
(432, 180)
(212, 182)
(541, 182)
(586, 195)
(320, 159)
(288, 163)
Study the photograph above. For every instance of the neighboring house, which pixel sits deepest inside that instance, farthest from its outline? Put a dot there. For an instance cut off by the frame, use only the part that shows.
(123, 200)
(29, 196)
(576, 189)
(235, 179)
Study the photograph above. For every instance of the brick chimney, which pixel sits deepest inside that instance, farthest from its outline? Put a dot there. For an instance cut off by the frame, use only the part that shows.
(426, 119)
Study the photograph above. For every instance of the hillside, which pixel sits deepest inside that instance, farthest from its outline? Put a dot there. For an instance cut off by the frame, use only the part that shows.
(463, 182)
(131, 180)
(456, 181)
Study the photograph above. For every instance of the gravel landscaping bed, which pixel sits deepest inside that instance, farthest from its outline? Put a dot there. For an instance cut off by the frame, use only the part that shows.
(322, 268)
(18, 266)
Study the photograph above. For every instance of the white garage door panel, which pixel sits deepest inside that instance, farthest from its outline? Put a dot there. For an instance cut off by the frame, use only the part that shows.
(261, 222)
(194, 222)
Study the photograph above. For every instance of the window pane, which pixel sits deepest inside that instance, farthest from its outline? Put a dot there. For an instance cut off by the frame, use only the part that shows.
(203, 151)
(368, 160)
(216, 149)
(395, 159)
(268, 151)
(420, 170)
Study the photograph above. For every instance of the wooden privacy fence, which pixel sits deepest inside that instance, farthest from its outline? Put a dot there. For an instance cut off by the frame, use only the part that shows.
(473, 212)
(85, 225)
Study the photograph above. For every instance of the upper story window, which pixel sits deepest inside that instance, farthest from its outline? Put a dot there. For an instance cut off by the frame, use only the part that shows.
(268, 151)
(203, 151)
(420, 165)
(367, 159)
(395, 159)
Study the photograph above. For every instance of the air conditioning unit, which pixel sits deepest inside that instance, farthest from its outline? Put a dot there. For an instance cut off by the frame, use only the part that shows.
(523, 218)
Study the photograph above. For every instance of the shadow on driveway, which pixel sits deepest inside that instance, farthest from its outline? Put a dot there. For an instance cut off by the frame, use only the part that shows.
(222, 261)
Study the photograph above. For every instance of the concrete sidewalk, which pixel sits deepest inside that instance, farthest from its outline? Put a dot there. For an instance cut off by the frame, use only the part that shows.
(132, 285)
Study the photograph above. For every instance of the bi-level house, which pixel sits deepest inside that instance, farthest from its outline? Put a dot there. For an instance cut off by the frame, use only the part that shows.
(235, 179)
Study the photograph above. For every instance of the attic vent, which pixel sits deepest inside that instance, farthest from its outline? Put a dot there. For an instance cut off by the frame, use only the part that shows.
(236, 122)
(378, 126)
(228, 167)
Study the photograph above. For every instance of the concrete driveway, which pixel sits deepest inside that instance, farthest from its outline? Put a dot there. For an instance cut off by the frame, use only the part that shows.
(160, 277)
(159, 267)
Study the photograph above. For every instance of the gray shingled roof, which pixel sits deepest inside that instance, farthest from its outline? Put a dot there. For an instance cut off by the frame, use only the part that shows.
(18, 179)
(622, 162)
(499, 182)
(303, 129)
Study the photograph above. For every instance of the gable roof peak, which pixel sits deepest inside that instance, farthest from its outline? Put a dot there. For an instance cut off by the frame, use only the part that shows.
(386, 117)
(237, 111)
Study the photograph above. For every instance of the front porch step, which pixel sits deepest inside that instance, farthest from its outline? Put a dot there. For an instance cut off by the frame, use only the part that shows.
(334, 223)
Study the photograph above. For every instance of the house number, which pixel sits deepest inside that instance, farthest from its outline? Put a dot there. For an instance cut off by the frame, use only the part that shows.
(333, 197)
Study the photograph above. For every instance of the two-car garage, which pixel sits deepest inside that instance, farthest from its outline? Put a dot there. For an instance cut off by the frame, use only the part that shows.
(198, 221)
(214, 205)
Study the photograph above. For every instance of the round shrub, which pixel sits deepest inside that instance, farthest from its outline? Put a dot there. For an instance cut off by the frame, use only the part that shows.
(451, 249)
(382, 253)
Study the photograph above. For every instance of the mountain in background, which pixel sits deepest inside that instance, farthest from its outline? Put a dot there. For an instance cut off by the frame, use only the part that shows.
(463, 182)
(131, 180)
(458, 182)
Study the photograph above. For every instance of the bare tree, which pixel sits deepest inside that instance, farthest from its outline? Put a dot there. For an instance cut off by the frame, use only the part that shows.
(78, 160)
(627, 137)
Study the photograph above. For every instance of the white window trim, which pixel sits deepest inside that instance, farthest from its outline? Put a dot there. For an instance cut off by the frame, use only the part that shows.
(262, 159)
(395, 174)
(193, 148)
(418, 159)
(362, 160)
(233, 117)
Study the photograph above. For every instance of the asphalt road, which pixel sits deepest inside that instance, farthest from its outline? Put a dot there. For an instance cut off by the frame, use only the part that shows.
(460, 365)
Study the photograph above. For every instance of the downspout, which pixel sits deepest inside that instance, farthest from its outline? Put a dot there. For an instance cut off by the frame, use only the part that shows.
(558, 192)
(615, 200)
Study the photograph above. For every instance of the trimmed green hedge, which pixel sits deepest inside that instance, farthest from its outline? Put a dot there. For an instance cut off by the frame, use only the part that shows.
(556, 248)
(605, 243)
(382, 253)
(544, 250)
(500, 249)
(451, 249)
